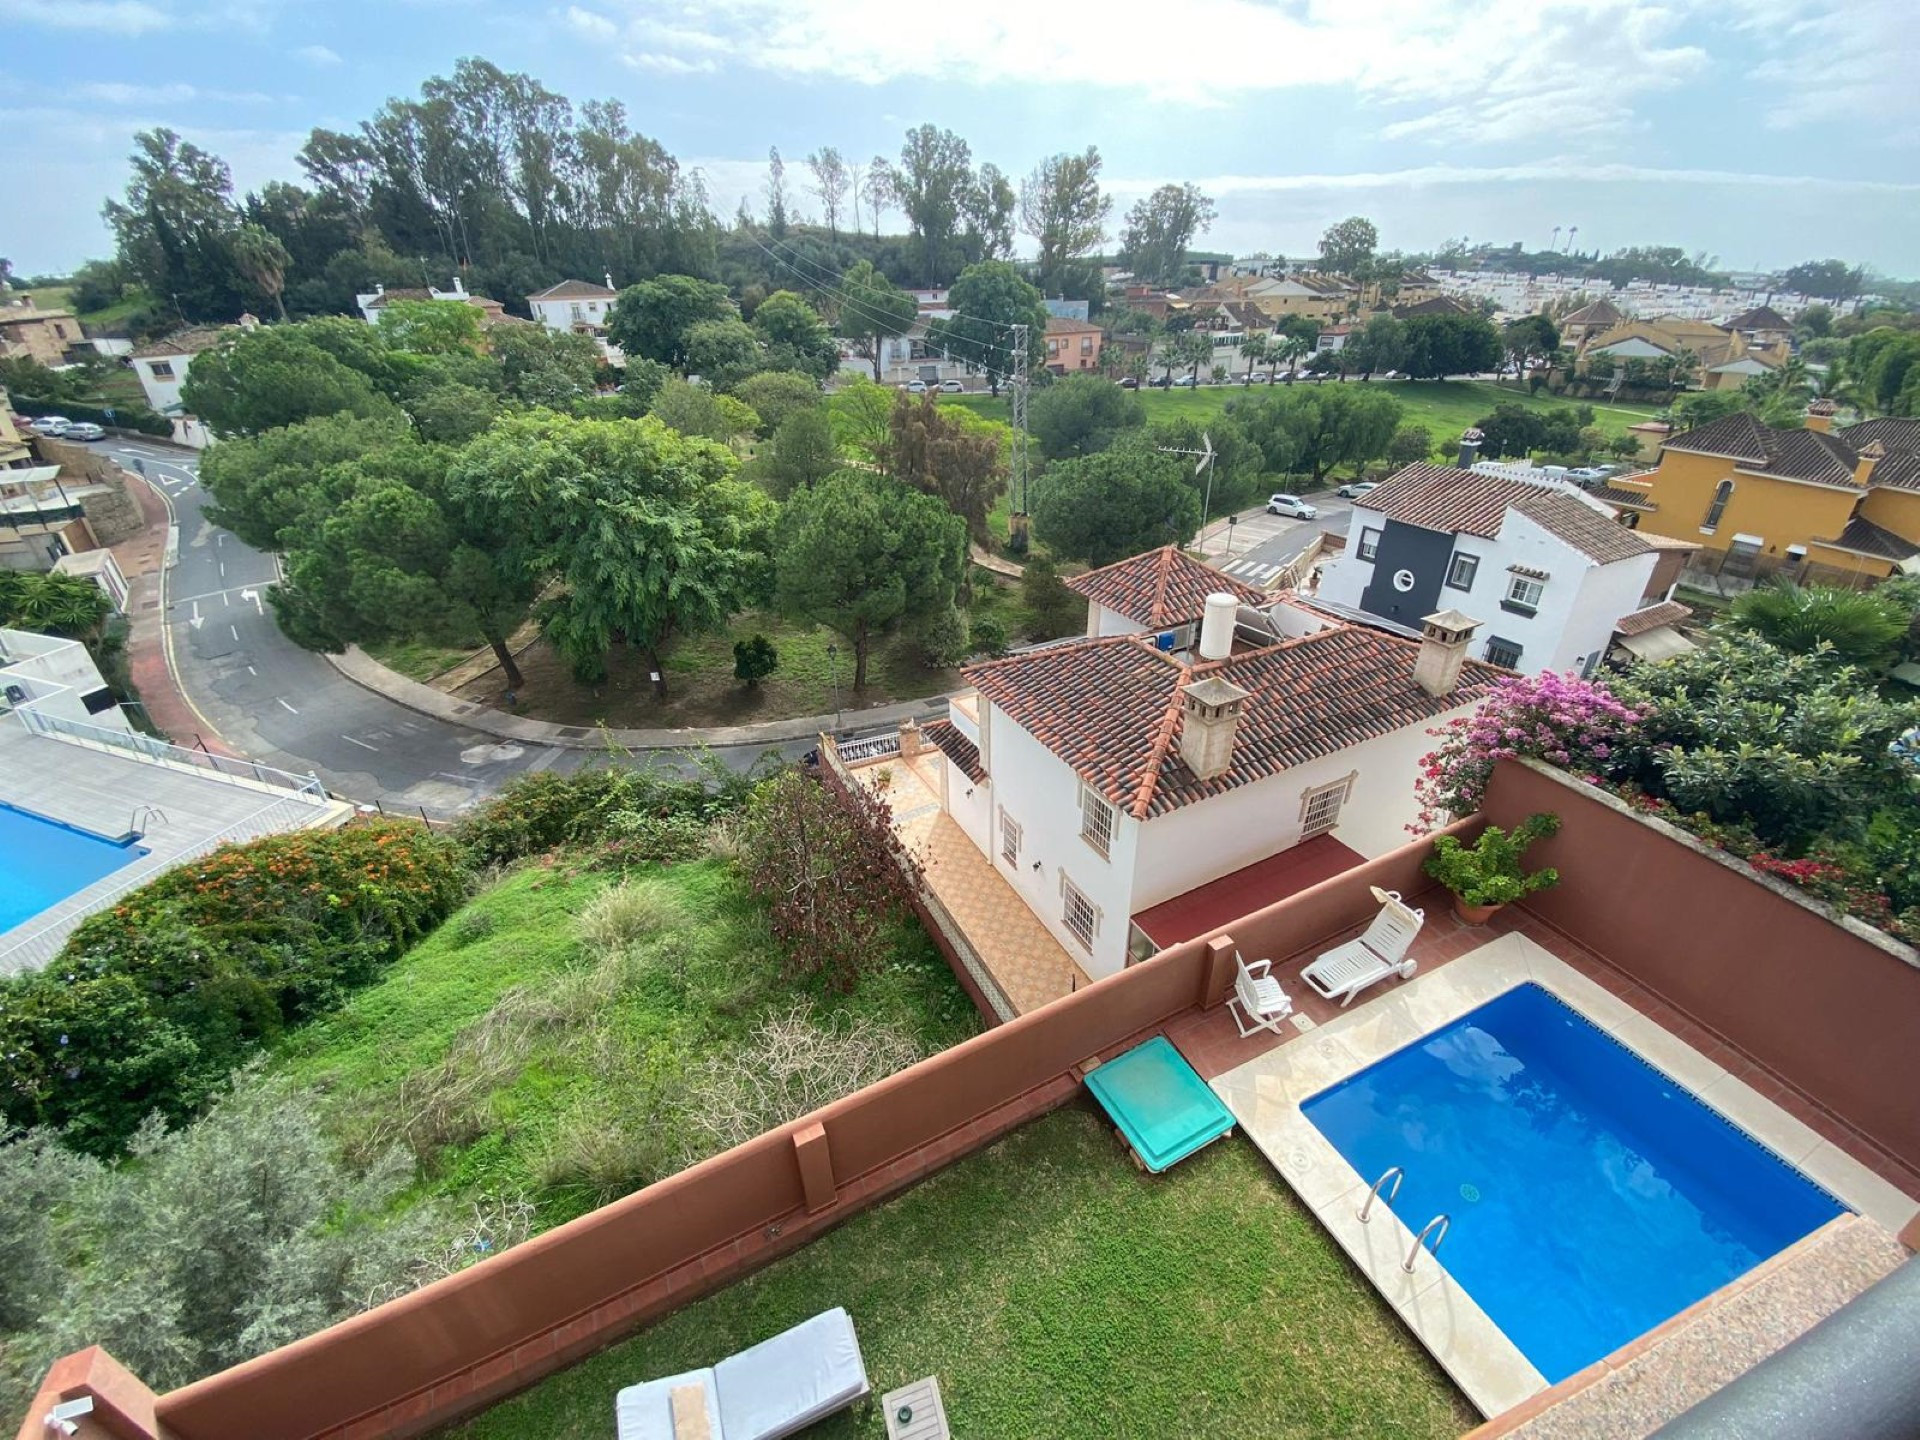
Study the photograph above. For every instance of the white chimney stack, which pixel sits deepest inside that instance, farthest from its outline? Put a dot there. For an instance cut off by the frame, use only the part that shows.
(609, 278)
(1216, 626)
(1209, 721)
(1444, 638)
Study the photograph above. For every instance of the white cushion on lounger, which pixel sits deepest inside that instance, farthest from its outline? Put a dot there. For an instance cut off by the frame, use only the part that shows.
(645, 1412)
(785, 1384)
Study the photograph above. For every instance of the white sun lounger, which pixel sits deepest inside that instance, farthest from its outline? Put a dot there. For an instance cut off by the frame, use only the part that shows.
(1346, 970)
(776, 1388)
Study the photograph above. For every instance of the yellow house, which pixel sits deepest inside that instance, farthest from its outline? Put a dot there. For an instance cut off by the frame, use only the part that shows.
(1761, 501)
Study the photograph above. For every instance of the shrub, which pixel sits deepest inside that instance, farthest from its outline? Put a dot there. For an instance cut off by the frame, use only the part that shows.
(623, 915)
(754, 658)
(945, 638)
(130, 417)
(1488, 872)
(989, 636)
(470, 927)
(640, 838)
(153, 1001)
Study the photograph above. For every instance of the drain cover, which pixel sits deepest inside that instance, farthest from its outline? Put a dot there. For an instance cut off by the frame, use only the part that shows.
(1469, 1192)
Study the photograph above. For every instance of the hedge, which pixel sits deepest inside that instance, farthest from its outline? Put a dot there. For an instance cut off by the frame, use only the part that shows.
(136, 417)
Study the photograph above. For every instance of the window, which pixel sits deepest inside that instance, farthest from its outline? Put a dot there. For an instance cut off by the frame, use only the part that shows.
(1009, 839)
(163, 369)
(1722, 493)
(1320, 807)
(1503, 652)
(1086, 344)
(1053, 347)
(1077, 912)
(1096, 821)
(1369, 543)
(1462, 569)
(576, 309)
(1523, 594)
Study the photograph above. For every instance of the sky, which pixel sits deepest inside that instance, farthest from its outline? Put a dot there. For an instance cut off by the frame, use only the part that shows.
(1762, 132)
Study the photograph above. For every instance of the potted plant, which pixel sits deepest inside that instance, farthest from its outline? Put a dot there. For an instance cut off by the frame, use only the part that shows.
(1487, 874)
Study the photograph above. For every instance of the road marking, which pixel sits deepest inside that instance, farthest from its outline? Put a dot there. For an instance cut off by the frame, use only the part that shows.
(349, 739)
(252, 671)
(223, 569)
(235, 633)
(286, 707)
(245, 594)
(254, 595)
(194, 619)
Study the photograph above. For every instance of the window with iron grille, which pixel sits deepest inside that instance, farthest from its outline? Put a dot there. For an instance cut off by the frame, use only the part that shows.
(1077, 913)
(1462, 569)
(1503, 652)
(1320, 808)
(1009, 839)
(1096, 821)
(1369, 544)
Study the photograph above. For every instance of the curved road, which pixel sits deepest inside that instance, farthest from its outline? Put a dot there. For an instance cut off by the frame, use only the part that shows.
(285, 706)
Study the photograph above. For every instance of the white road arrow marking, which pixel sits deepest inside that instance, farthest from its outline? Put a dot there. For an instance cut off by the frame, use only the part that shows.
(195, 620)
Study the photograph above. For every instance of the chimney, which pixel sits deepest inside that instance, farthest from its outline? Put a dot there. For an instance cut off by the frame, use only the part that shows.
(1443, 649)
(608, 276)
(1216, 626)
(458, 287)
(1820, 416)
(1871, 454)
(911, 741)
(1209, 720)
(1470, 440)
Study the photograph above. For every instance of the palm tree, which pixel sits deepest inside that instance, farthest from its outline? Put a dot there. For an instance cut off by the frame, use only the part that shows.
(1255, 347)
(1862, 626)
(260, 256)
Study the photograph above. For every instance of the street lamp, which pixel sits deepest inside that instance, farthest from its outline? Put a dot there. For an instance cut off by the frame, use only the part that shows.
(833, 669)
(1232, 520)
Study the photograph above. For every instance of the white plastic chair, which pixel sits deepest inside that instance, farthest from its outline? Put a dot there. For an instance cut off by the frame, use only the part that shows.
(1257, 1002)
(1345, 971)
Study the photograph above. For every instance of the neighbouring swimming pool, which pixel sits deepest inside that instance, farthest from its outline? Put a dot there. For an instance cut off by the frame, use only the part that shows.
(1591, 1196)
(42, 862)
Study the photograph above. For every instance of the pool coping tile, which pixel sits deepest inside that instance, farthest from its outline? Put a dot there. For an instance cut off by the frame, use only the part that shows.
(1266, 1092)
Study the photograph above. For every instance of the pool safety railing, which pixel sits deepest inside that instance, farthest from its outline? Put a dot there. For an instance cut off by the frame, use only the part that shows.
(1420, 1240)
(1393, 1173)
(246, 773)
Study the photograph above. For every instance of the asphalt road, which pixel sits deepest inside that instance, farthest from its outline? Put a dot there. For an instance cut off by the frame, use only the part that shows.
(287, 707)
(1257, 546)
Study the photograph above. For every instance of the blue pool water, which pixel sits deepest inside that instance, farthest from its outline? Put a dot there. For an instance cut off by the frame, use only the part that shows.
(42, 862)
(1591, 1196)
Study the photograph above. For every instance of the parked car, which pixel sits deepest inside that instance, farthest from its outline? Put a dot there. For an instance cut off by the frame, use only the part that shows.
(952, 387)
(1291, 505)
(1394, 375)
(1129, 382)
(915, 387)
(1586, 475)
(1355, 489)
(53, 426)
(84, 430)
(1186, 382)
(1256, 377)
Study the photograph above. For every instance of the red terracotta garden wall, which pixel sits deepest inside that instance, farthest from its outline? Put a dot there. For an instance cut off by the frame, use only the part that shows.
(1832, 1007)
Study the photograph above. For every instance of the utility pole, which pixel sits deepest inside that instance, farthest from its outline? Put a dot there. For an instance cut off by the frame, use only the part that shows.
(1017, 405)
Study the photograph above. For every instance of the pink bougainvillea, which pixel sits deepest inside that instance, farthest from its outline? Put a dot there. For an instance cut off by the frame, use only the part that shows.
(1559, 718)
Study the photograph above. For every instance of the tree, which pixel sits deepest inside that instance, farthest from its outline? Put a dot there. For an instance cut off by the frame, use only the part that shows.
(1862, 627)
(697, 412)
(1309, 430)
(1511, 431)
(1382, 345)
(1052, 609)
(553, 368)
(1081, 414)
(723, 352)
(175, 226)
(801, 454)
(1102, 508)
(989, 211)
(651, 320)
(1529, 336)
(881, 193)
(988, 300)
(1411, 444)
(1294, 338)
(776, 194)
(1254, 348)
(1442, 345)
(646, 534)
(1192, 350)
(754, 658)
(65, 605)
(431, 327)
(831, 183)
(1063, 210)
(860, 552)
(1825, 279)
(1347, 247)
(795, 336)
(773, 395)
(932, 184)
(873, 310)
(263, 260)
(1161, 228)
(950, 453)
(261, 379)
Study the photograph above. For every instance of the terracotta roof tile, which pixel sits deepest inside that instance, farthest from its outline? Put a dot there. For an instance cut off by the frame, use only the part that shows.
(574, 290)
(1810, 455)
(1600, 312)
(1465, 502)
(1160, 588)
(1110, 708)
(1863, 537)
(964, 754)
(1667, 612)
(185, 342)
(1761, 317)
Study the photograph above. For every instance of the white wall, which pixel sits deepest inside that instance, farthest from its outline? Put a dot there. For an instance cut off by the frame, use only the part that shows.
(55, 674)
(1042, 793)
(163, 395)
(971, 805)
(559, 314)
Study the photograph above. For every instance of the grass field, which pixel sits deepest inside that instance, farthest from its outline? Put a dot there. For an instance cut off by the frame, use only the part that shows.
(514, 1058)
(1057, 1291)
(60, 297)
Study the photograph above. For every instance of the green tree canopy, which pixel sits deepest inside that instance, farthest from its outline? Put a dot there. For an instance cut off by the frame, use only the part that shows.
(647, 533)
(1862, 627)
(861, 552)
(431, 327)
(1082, 414)
(1442, 345)
(1347, 247)
(694, 410)
(800, 455)
(795, 336)
(1529, 338)
(651, 320)
(274, 376)
(1160, 229)
(1310, 429)
(950, 453)
(774, 395)
(723, 352)
(1120, 502)
(988, 300)
(872, 310)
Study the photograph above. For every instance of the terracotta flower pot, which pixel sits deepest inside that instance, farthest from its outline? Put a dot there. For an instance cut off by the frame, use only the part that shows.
(1474, 914)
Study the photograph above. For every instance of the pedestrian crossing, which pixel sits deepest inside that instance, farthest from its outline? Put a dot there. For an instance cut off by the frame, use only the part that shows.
(1252, 571)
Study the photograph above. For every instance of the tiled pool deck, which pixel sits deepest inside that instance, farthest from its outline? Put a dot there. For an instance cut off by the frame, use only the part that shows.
(1464, 969)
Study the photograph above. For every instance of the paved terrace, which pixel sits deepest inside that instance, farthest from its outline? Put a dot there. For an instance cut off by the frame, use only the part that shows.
(102, 790)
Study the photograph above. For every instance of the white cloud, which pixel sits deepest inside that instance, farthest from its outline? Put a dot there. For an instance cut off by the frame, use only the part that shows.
(110, 92)
(317, 55)
(121, 17)
(590, 24)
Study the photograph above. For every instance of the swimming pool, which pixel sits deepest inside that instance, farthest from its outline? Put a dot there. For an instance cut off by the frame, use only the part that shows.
(43, 862)
(1591, 1197)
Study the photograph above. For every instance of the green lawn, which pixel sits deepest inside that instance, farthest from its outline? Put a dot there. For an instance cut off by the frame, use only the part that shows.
(514, 1060)
(1057, 1291)
(1445, 406)
(419, 659)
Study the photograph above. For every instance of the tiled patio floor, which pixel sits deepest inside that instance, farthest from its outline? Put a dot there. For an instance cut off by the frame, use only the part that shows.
(1029, 965)
(1213, 1045)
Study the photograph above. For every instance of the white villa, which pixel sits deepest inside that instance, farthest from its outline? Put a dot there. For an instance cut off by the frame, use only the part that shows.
(1134, 787)
(579, 307)
(1552, 571)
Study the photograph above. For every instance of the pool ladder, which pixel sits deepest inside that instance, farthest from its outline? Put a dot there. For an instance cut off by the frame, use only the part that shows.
(1395, 1174)
(1421, 1239)
(143, 817)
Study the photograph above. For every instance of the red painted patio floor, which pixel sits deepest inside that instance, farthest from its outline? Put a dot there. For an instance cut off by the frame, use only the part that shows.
(1218, 903)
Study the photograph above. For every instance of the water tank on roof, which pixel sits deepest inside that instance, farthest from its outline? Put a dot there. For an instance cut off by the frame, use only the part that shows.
(1216, 627)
